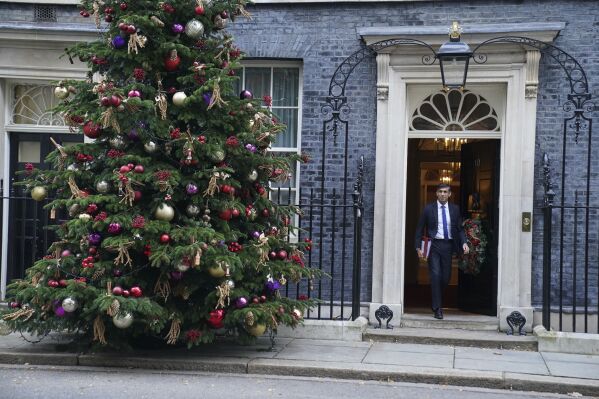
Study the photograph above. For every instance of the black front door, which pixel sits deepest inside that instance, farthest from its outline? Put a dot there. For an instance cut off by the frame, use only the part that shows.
(479, 189)
(28, 238)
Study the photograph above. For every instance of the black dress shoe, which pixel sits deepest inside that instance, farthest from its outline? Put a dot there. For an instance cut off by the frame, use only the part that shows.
(438, 314)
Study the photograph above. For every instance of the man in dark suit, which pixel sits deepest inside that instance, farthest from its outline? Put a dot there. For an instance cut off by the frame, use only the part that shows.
(443, 224)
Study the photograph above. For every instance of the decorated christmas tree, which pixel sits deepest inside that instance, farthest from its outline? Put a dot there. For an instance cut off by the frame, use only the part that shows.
(170, 229)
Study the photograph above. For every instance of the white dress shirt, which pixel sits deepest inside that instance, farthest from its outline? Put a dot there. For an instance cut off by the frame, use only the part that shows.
(440, 221)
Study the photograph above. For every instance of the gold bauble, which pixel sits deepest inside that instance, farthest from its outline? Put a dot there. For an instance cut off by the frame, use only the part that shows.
(61, 92)
(216, 272)
(257, 330)
(164, 212)
(39, 193)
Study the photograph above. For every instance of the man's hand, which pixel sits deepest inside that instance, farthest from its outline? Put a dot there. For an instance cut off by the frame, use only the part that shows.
(466, 249)
(420, 254)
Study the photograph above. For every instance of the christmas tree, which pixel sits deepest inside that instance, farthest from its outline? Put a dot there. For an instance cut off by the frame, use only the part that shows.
(170, 229)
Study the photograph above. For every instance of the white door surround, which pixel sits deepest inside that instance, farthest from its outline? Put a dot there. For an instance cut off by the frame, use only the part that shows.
(511, 70)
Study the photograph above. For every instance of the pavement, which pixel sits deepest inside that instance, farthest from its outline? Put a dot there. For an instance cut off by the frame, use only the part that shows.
(384, 361)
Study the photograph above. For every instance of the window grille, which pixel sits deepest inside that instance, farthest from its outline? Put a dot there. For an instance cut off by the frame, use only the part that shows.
(44, 13)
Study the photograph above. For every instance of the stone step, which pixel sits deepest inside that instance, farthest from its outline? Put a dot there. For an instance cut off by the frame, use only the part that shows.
(452, 337)
(450, 321)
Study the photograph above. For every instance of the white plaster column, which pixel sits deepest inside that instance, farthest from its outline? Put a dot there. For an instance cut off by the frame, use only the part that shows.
(389, 198)
(382, 111)
(516, 293)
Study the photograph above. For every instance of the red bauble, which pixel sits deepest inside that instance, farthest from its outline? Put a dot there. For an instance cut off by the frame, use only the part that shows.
(262, 298)
(216, 318)
(138, 169)
(225, 214)
(131, 29)
(199, 10)
(105, 101)
(123, 26)
(91, 130)
(272, 255)
(126, 293)
(235, 213)
(92, 208)
(282, 254)
(115, 101)
(255, 300)
(92, 251)
(171, 63)
(123, 6)
(165, 238)
(265, 212)
(124, 169)
(117, 290)
(108, 18)
(62, 282)
(136, 291)
(137, 195)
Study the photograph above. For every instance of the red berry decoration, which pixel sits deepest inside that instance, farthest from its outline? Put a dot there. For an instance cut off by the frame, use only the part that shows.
(123, 6)
(199, 10)
(216, 318)
(308, 241)
(136, 292)
(235, 247)
(91, 209)
(165, 238)
(147, 250)
(88, 262)
(171, 63)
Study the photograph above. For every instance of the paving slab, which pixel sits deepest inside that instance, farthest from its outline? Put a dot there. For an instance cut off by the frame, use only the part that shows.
(539, 383)
(328, 342)
(502, 365)
(571, 369)
(410, 359)
(498, 354)
(414, 348)
(327, 353)
(570, 357)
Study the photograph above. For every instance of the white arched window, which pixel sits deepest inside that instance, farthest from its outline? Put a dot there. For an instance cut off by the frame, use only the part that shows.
(454, 111)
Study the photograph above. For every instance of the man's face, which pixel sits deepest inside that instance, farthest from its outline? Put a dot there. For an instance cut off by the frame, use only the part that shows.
(443, 195)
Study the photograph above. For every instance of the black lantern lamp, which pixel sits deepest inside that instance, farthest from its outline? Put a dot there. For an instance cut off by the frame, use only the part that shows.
(454, 57)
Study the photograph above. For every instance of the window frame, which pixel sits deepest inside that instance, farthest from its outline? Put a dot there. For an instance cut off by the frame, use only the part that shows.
(272, 65)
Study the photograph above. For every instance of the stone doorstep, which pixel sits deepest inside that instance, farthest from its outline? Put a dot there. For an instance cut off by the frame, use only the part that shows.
(453, 337)
(450, 321)
(566, 342)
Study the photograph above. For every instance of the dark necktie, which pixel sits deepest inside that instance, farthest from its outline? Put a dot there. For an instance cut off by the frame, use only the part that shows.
(445, 231)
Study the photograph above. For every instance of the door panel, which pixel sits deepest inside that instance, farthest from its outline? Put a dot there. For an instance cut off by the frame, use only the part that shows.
(477, 293)
(28, 237)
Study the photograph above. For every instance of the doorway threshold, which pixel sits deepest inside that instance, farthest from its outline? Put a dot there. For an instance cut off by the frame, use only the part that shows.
(452, 319)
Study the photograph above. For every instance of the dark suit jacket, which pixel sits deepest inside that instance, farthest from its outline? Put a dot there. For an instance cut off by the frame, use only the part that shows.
(429, 220)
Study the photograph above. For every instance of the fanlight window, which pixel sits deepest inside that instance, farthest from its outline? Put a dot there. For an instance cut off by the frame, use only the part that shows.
(455, 111)
(32, 105)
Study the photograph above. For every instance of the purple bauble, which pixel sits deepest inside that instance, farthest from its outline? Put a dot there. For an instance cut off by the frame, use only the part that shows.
(114, 228)
(250, 147)
(246, 95)
(119, 42)
(207, 98)
(177, 28)
(94, 238)
(176, 275)
(117, 272)
(256, 234)
(241, 302)
(59, 311)
(272, 285)
(133, 135)
(191, 189)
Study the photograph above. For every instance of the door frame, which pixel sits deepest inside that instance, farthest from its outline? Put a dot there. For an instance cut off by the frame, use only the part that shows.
(516, 195)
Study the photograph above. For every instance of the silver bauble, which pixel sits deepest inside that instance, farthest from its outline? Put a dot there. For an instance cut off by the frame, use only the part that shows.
(253, 176)
(182, 267)
(122, 320)
(219, 22)
(230, 284)
(74, 209)
(117, 143)
(61, 92)
(85, 217)
(70, 304)
(164, 212)
(217, 156)
(150, 147)
(179, 98)
(194, 29)
(102, 186)
(73, 167)
(192, 210)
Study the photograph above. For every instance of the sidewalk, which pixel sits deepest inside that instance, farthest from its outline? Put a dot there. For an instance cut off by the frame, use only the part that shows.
(435, 364)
